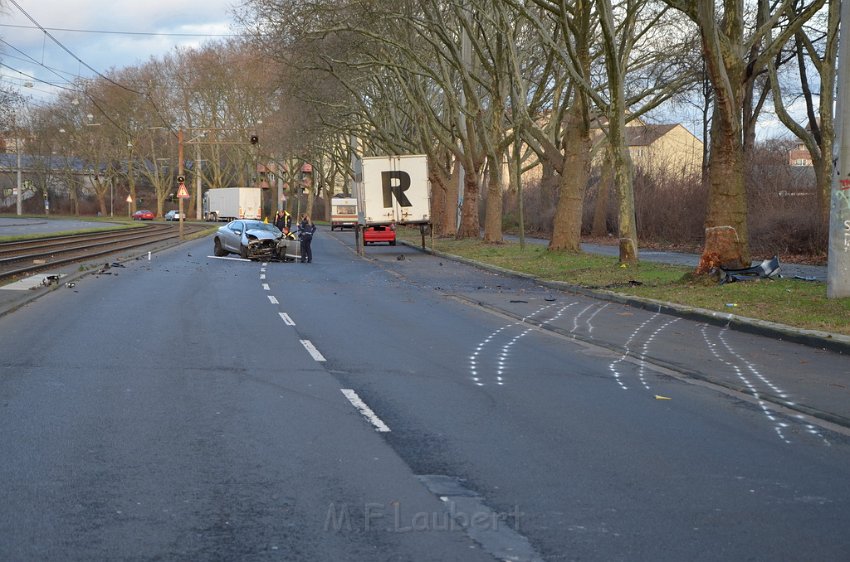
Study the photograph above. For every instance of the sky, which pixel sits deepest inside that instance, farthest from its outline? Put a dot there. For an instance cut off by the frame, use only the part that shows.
(107, 34)
(101, 34)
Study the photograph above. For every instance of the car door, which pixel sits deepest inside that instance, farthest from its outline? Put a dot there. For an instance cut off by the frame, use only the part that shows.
(233, 236)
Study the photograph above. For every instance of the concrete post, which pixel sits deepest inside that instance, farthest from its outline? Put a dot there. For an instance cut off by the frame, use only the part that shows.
(838, 268)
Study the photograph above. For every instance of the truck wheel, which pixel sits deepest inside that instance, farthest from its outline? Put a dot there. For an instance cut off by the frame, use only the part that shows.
(218, 250)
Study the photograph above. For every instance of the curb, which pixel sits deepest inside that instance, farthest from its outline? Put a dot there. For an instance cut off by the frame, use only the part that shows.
(838, 343)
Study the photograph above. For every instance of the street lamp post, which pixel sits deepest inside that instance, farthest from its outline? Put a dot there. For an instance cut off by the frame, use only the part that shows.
(20, 184)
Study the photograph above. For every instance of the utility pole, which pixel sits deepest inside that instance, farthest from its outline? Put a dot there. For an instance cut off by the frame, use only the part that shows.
(180, 176)
(838, 264)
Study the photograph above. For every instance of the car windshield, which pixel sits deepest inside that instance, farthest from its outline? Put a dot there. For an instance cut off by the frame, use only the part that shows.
(260, 225)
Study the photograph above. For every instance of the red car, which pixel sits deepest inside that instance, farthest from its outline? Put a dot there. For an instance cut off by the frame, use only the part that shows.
(143, 215)
(379, 233)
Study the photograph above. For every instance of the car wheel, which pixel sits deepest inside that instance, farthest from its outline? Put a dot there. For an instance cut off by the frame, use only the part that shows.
(392, 242)
(218, 250)
(243, 252)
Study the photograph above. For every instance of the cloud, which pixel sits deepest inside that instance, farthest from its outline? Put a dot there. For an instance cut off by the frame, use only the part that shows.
(30, 51)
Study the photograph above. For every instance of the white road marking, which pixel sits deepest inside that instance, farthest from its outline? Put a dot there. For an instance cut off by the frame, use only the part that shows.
(266, 287)
(262, 276)
(735, 364)
(365, 410)
(226, 258)
(311, 349)
(273, 300)
(286, 319)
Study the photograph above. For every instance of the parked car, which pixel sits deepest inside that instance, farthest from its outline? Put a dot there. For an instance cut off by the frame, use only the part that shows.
(174, 216)
(143, 215)
(251, 239)
(379, 233)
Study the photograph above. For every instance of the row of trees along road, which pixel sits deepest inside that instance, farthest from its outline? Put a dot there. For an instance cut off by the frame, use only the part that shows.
(122, 128)
(475, 83)
(487, 90)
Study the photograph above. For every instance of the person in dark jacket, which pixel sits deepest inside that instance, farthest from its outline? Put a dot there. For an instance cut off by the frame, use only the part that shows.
(305, 233)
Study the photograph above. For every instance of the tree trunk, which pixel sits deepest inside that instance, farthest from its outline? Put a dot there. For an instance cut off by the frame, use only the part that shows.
(438, 197)
(470, 224)
(566, 231)
(448, 224)
(727, 199)
(493, 214)
(600, 210)
(627, 224)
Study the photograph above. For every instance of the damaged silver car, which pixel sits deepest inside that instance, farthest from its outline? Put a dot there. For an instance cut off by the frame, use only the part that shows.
(251, 239)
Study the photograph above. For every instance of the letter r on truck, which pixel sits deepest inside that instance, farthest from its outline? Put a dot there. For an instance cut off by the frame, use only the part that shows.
(395, 182)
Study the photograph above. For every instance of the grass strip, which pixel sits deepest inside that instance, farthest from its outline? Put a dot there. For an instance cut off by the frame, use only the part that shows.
(793, 302)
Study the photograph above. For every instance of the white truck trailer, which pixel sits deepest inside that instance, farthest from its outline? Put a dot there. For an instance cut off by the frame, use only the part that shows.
(231, 203)
(395, 190)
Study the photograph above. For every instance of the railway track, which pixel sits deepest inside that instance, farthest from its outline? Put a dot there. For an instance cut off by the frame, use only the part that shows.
(25, 257)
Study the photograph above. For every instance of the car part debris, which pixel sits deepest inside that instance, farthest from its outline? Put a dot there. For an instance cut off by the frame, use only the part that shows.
(768, 269)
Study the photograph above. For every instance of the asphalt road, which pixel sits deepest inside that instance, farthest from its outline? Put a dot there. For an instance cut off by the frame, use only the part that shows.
(402, 407)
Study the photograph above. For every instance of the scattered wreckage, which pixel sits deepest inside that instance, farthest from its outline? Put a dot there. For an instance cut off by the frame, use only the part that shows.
(768, 269)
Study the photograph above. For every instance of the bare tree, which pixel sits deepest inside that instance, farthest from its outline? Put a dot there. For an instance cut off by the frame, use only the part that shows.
(735, 56)
(815, 47)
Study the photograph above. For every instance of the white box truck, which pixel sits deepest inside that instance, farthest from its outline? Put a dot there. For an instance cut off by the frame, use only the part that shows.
(343, 212)
(231, 203)
(395, 190)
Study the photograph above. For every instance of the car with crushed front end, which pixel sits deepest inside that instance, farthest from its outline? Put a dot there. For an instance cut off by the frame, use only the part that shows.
(251, 239)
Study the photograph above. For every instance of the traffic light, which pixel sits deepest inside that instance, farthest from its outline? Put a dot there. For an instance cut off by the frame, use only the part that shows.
(255, 139)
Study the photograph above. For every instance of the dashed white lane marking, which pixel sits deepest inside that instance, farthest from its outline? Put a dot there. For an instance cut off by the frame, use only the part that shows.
(262, 277)
(311, 349)
(286, 319)
(273, 300)
(365, 410)
(266, 287)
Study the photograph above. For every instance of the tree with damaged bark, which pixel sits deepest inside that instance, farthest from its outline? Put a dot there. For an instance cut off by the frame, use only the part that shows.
(737, 50)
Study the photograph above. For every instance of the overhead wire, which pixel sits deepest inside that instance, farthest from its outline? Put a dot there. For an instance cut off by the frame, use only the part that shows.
(113, 32)
(67, 50)
(145, 95)
(33, 60)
